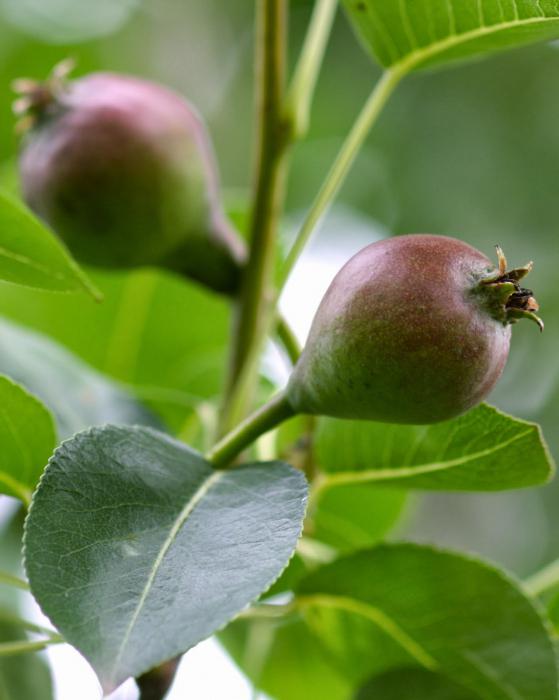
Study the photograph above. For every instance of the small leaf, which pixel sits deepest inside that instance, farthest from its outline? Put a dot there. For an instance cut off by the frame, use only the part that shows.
(483, 450)
(27, 437)
(31, 255)
(411, 34)
(137, 549)
(282, 659)
(78, 395)
(411, 605)
(413, 684)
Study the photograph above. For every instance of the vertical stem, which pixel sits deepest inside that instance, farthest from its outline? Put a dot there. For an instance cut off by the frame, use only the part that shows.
(301, 90)
(257, 293)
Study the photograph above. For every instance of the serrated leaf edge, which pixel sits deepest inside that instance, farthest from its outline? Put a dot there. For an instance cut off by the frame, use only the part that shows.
(213, 478)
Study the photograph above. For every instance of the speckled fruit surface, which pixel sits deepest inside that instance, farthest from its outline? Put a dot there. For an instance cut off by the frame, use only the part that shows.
(404, 334)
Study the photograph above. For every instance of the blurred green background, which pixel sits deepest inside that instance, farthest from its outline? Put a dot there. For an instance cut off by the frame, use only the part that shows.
(471, 152)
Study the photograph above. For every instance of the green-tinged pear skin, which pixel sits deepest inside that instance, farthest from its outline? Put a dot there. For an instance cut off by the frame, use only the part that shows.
(413, 329)
(123, 171)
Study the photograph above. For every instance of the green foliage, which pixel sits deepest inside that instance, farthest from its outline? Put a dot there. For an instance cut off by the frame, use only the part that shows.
(413, 684)
(282, 659)
(398, 621)
(405, 604)
(31, 255)
(78, 395)
(411, 34)
(131, 532)
(27, 436)
(353, 516)
(483, 450)
(152, 330)
(21, 677)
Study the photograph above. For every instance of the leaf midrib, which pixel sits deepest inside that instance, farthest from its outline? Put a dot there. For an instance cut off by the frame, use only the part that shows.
(414, 58)
(397, 634)
(202, 490)
(403, 472)
(375, 615)
(34, 264)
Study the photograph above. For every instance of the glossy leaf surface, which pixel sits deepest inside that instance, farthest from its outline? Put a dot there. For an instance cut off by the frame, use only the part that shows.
(136, 549)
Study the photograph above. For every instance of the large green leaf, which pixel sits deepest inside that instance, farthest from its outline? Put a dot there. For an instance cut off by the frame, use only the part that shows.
(412, 34)
(27, 439)
(136, 549)
(23, 677)
(30, 254)
(404, 604)
(78, 395)
(165, 336)
(413, 684)
(483, 450)
(283, 659)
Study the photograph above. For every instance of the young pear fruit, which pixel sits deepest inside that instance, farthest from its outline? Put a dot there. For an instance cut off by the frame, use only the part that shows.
(123, 171)
(413, 329)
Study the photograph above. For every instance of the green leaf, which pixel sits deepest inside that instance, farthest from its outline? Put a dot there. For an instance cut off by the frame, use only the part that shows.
(405, 604)
(24, 676)
(411, 34)
(27, 436)
(413, 684)
(283, 659)
(152, 330)
(78, 395)
(354, 516)
(483, 450)
(30, 254)
(136, 549)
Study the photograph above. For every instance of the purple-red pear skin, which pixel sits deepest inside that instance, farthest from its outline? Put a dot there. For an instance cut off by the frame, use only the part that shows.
(403, 336)
(123, 171)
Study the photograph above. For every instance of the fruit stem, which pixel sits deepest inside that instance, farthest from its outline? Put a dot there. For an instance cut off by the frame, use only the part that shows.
(339, 170)
(261, 421)
(301, 89)
(257, 294)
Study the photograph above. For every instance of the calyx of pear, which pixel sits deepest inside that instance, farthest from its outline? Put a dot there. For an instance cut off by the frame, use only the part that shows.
(123, 170)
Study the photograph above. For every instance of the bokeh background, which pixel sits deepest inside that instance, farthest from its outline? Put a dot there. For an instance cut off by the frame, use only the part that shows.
(471, 152)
